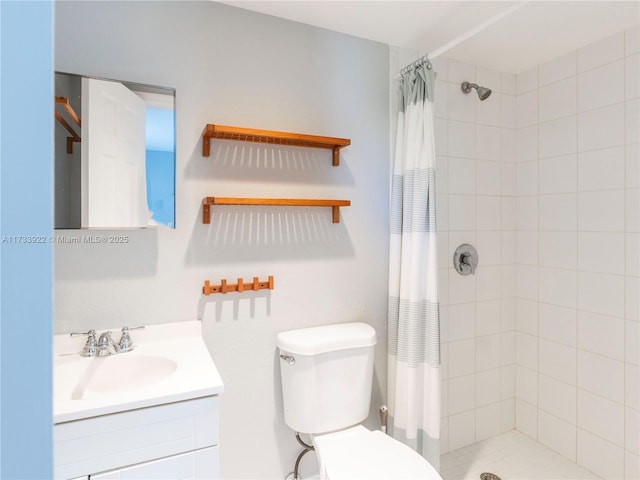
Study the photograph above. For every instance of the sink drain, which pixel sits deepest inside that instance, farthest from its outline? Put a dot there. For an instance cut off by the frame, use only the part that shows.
(489, 476)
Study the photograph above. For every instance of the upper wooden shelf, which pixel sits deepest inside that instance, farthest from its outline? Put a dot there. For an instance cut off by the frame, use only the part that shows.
(288, 202)
(267, 136)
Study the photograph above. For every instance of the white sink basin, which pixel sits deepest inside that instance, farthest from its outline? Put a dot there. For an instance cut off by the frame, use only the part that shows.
(116, 373)
(169, 363)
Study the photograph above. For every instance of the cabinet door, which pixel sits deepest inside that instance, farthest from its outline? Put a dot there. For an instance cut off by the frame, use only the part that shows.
(199, 465)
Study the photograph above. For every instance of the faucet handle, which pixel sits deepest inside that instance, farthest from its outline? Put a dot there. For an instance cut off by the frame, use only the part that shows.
(90, 348)
(125, 343)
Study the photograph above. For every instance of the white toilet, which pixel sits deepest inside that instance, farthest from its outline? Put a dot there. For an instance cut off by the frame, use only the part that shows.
(327, 374)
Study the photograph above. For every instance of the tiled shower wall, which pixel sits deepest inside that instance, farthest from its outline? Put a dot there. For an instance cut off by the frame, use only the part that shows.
(577, 244)
(476, 204)
(542, 178)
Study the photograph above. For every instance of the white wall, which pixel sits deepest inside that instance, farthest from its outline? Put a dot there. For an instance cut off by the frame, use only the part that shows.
(577, 253)
(475, 149)
(230, 66)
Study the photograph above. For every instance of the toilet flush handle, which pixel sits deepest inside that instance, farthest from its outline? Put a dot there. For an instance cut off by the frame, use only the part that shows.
(290, 359)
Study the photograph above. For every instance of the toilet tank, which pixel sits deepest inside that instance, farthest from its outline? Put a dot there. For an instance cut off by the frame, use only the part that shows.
(326, 376)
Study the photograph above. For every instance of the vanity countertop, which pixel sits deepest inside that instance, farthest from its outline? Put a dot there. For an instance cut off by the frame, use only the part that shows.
(170, 363)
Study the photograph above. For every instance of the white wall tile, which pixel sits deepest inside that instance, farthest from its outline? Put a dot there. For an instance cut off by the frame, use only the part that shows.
(488, 112)
(601, 293)
(507, 111)
(488, 212)
(601, 334)
(488, 352)
(462, 141)
(601, 169)
(441, 101)
(442, 212)
(632, 386)
(462, 289)
(507, 145)
(601, 128)
(558, 69)
(508, 415)
(488, 282)
(527, 418)
(488, 247)
(527, 178)
(462, 320)
(488, 180)
(527, 213)
(508, 382)
(442, 181)
(558, 249)
(632, 298)
(558, 100)
(487, 387)
(527, 282)
(632, 342)
(559, 435)
(601, 375)
(441, 67)
(461, 394)
(601, 52)
(527, 109)
(444, 435)
(632, 430)
(601, 86)
(527, 81)
(461, 176)
(508, 347)
(632, 121)
(527, 144)
(507, 312)
(441, 135)
(558, 212)
(632, 40)
(462, 212)
(527, 385)
(527, 248)
(488, 317)
(558, 174)
(508, 83)
(558, 361)
(509, 213)
(508, 247)
(508, 178)
(487, 142)
(558, 286)
(462, 429)
(601, 417)
(601, 211)
(557, 398)
(601, 457)
(632, 77)
(633, 166)
(462, 357)
(487, 421)
(602, 252)
(557, 323)
(631, 465)
(558, 137)
(632, 214)
(461, 106)
(526, 351)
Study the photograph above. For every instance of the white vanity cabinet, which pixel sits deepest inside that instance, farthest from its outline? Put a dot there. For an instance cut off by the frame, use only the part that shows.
(172, 441)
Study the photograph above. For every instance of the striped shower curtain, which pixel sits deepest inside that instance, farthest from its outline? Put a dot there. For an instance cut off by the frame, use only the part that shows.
(413, 317)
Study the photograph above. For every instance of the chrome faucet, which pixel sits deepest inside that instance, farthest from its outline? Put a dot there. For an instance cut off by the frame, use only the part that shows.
(106, 345)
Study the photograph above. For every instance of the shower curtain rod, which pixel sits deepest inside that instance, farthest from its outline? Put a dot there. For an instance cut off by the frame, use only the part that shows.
(458, 40)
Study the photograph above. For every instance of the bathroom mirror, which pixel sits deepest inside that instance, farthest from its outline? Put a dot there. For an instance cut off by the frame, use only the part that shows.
(114, 161)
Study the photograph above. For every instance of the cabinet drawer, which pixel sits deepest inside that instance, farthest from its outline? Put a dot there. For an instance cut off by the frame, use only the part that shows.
(199, 465)
(112, 441)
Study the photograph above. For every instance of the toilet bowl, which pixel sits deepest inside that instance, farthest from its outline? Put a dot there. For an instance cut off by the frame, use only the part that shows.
(361, 454)
(327, 375)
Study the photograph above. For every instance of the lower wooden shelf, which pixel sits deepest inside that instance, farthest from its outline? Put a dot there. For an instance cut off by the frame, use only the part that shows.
(288, 202)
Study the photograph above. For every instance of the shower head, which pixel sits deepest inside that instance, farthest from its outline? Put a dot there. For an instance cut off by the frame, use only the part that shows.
(483, 92)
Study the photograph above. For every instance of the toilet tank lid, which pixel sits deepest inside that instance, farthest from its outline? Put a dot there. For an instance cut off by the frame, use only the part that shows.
(327, 338)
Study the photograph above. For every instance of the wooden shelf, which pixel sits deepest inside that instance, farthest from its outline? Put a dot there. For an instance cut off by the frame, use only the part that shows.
(267, 136)
(289, 202)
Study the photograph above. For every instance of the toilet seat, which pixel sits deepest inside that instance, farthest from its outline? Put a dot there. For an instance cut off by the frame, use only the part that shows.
(361, 454)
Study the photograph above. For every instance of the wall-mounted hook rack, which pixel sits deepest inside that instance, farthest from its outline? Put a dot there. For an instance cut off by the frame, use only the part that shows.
(73, 136)
(239, 287)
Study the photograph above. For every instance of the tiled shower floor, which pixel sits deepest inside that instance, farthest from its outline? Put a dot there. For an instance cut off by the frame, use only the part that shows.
(511, 456)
